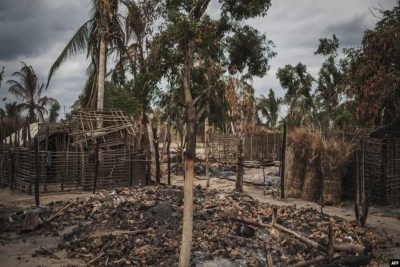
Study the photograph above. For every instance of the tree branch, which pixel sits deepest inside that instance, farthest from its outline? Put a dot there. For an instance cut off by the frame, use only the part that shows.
(202, 94)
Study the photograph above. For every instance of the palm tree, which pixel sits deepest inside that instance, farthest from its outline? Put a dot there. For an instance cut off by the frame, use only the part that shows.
(29, 90)
(54, 112)
(10, 110)
(269, 108)
(99, 36)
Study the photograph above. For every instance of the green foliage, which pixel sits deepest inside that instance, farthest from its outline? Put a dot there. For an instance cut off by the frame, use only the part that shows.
(104, 23)
(249, 49)
(121, 98)
(11, 109)
(298, 82)
(245, 9)
(328, 47)
(54, 112)
(269, 108)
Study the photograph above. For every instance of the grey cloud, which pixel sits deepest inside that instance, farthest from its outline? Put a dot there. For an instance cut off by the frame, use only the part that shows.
(349, 32)
(30, 28)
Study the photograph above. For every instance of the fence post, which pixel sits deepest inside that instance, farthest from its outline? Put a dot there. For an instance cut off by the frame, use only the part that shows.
(48, 157)
(169, 155)
(96, 168)
(37, 167)
(283, 162)
(206, 138)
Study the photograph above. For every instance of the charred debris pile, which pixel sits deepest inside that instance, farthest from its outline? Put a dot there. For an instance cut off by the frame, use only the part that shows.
(142, 227)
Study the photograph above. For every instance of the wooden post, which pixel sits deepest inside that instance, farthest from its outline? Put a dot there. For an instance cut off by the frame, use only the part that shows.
(46, 148)
(67, 159)
(251, 146)
(239, 175)
(169, 155)
(384, 170)
(16, 132)
(29, 133)
(130, 164)
(157, 156)
(268, 147)
(274, 216)
(362, 182)
(64, 167)
(3, 158)
(357, 202)
(37, 167)
(365, 198)
(283, 153)
(3, 131)
(206, 140)
(96, 168)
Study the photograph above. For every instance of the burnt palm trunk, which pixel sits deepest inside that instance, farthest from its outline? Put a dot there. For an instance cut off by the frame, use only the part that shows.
(101, 75)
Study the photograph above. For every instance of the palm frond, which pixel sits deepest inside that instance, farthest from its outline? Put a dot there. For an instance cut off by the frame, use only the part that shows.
(78, 43)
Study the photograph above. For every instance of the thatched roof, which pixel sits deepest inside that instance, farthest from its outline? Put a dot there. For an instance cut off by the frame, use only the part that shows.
(54, 128)
(39, 130)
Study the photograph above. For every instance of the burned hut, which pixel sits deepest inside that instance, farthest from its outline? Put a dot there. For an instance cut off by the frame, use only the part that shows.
(376, 164)
(95, 150)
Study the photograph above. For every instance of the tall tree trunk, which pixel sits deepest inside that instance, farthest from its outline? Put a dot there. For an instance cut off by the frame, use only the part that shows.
(151, 143)
(206, 143)
(101, 74)
(187, 231)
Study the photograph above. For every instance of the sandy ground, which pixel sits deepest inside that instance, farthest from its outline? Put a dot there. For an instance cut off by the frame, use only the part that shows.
(24, 249)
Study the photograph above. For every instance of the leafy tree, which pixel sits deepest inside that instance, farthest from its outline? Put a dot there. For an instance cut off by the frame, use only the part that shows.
(99, 37)
(54, 112)
(10, 116)
(120, 97)
(269, 108)
(298, 83)
(11, 109)
(329, 77)
(189, 36)
(373, 72)
(29, 90)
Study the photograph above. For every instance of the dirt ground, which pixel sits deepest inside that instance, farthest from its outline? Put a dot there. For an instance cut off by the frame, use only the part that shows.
(29, 249)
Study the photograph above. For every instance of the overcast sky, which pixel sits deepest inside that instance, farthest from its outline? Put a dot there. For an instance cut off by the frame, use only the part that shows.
(36, 31)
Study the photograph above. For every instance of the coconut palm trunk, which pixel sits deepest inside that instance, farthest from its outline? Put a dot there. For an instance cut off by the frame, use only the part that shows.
(101, 75)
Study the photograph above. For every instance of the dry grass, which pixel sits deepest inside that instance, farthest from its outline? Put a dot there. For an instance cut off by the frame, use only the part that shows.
(315, 157)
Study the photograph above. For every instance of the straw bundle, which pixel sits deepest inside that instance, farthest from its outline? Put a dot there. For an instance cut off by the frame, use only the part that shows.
(312, 181)
(310, 158)
(334, 158)
(299, 142)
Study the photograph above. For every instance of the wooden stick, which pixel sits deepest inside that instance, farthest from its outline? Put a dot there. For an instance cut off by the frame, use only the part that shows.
(37, 169)
(51, 253)
(211, 206)
(129, 232)
(274, 216)
(55, 215)
(310, 262)
(270, 262)
(95, 259)
(263, 225)
(301, 238)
